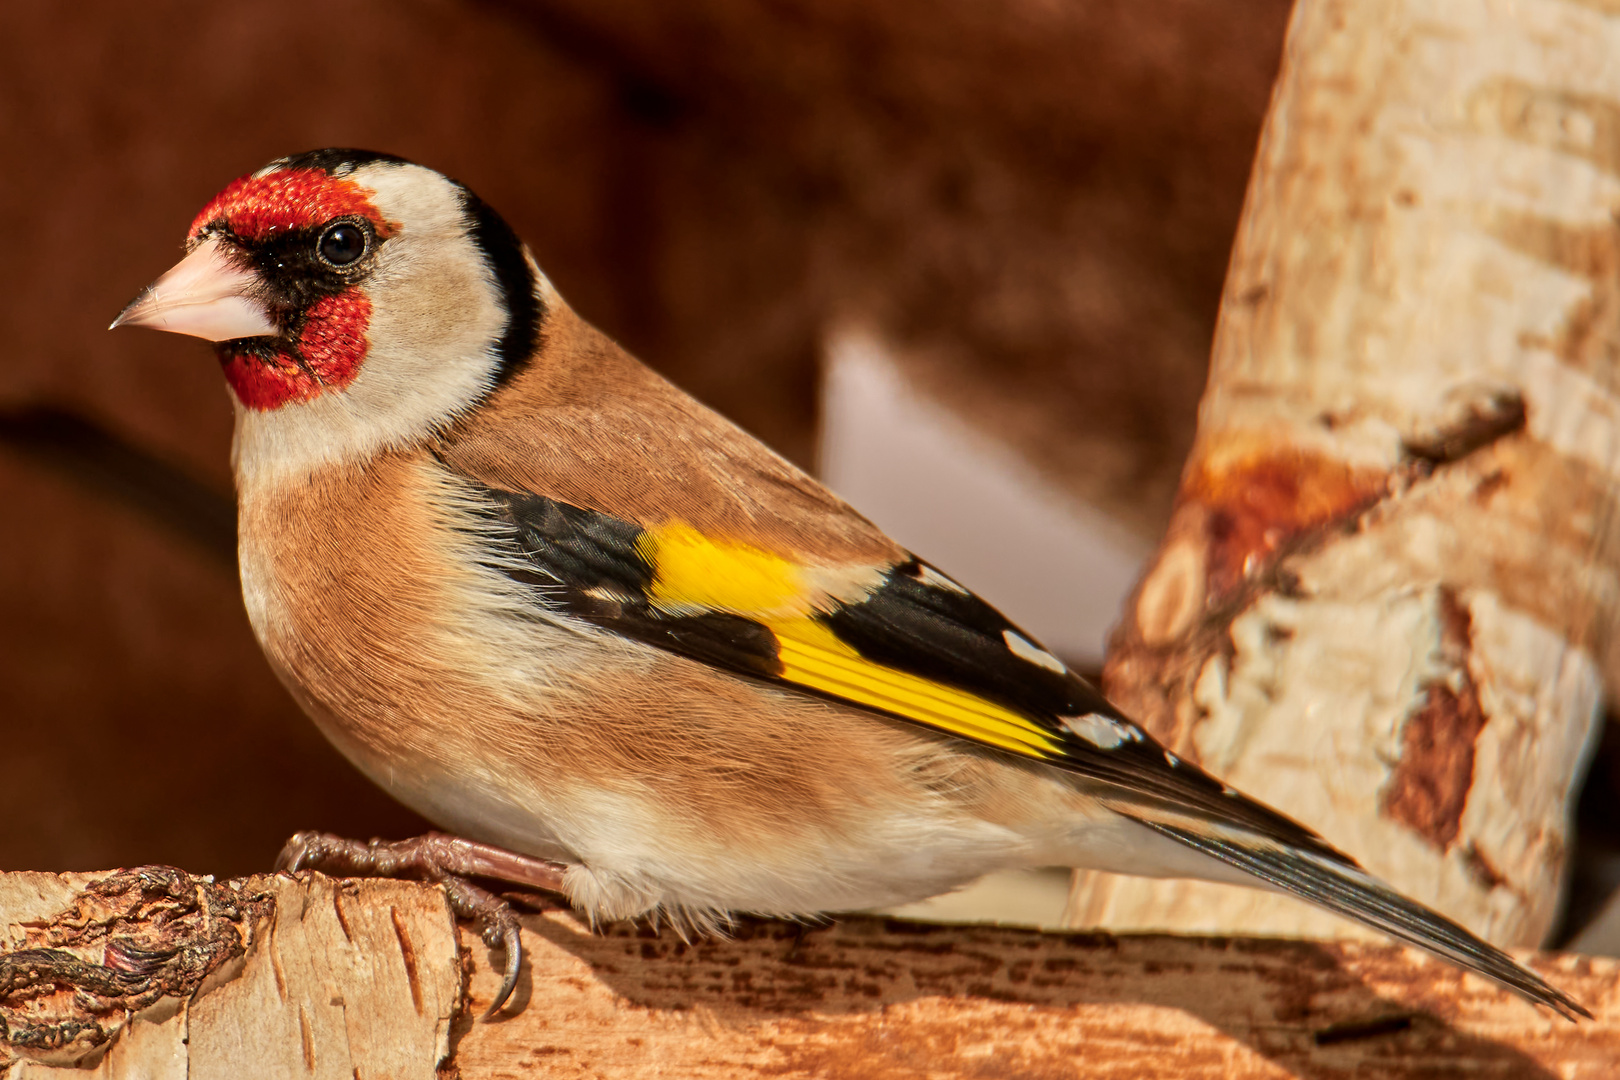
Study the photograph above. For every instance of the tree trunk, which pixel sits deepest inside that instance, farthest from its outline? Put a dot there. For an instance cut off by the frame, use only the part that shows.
(1384, 604)
(374, 979)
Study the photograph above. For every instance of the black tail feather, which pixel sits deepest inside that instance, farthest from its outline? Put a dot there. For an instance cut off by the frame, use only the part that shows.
(1345, 890)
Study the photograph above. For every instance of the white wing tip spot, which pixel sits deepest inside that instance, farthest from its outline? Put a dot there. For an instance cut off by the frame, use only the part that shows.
(1103, 732)
(1025, 649)
(936, 580)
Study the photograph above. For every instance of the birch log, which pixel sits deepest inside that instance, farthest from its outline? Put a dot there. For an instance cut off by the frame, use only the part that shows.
(1385, 602)
(373, 980)
(179, 978)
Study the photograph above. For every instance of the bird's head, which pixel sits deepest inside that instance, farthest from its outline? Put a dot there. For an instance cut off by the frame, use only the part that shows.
(356, 300)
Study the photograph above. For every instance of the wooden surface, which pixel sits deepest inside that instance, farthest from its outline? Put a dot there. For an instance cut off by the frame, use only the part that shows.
(1386, 600)
(362, 979)
(339, 979)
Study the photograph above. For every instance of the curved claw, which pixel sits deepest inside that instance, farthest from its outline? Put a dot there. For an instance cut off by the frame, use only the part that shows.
(514, 963)
(293, 853)
(449, 862)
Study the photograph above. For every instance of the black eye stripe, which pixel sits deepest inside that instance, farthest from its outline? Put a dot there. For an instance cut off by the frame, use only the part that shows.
(295, 271)
(303, 247)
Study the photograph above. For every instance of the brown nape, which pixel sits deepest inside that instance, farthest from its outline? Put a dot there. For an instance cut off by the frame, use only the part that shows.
(590, 426)
(1037, 199)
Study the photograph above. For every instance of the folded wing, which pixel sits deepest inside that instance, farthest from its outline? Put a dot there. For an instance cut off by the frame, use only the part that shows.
(906, 641)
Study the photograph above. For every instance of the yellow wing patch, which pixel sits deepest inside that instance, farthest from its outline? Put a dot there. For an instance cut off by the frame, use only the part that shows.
(813, 656)
(695, 572)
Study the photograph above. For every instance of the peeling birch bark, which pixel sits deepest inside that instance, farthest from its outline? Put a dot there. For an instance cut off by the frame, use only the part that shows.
(363, 979)
(1386, 598)
(329, 978)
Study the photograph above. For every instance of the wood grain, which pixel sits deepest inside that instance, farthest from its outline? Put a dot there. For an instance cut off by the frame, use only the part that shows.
(329, 987)
(344, 979)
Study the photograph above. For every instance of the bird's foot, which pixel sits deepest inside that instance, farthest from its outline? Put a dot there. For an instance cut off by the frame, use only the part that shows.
(445, 860)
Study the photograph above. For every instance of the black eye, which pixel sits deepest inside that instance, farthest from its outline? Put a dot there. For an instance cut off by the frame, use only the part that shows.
(342, 243)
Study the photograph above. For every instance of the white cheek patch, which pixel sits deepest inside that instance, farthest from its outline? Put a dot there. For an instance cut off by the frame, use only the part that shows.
(1025, 649)
(1103, 732)
(435, 316)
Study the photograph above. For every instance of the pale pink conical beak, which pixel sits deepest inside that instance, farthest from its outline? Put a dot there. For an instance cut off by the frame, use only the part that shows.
(204, 295)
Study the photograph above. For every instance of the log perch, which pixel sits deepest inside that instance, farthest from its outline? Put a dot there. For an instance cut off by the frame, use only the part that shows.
(307, 976)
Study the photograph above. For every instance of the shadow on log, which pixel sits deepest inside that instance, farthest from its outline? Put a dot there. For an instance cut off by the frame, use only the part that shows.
(373, 978)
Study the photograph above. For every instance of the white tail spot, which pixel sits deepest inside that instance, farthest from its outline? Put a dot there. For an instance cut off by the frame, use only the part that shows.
(1103, 732)
(1025, 649)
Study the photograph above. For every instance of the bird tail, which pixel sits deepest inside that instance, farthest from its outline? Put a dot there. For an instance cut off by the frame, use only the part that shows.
(1342, 887)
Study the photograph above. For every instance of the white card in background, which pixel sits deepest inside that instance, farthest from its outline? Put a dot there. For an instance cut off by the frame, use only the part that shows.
(955, 497)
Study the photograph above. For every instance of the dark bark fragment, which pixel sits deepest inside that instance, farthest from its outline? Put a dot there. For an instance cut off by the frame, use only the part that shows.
(125, 942)
(1430, 785)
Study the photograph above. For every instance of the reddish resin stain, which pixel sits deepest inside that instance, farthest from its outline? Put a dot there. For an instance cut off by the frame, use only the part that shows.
(1260, 496)
(332, 344)
(1429, 789)
(256, 208)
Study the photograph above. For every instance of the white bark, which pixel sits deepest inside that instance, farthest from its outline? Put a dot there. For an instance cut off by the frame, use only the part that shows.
(1385, 601)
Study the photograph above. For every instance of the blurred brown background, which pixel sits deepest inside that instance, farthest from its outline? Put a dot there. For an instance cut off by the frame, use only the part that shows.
(1030, 200)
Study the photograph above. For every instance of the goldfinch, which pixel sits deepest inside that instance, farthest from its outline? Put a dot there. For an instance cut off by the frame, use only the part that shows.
(616, 645)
